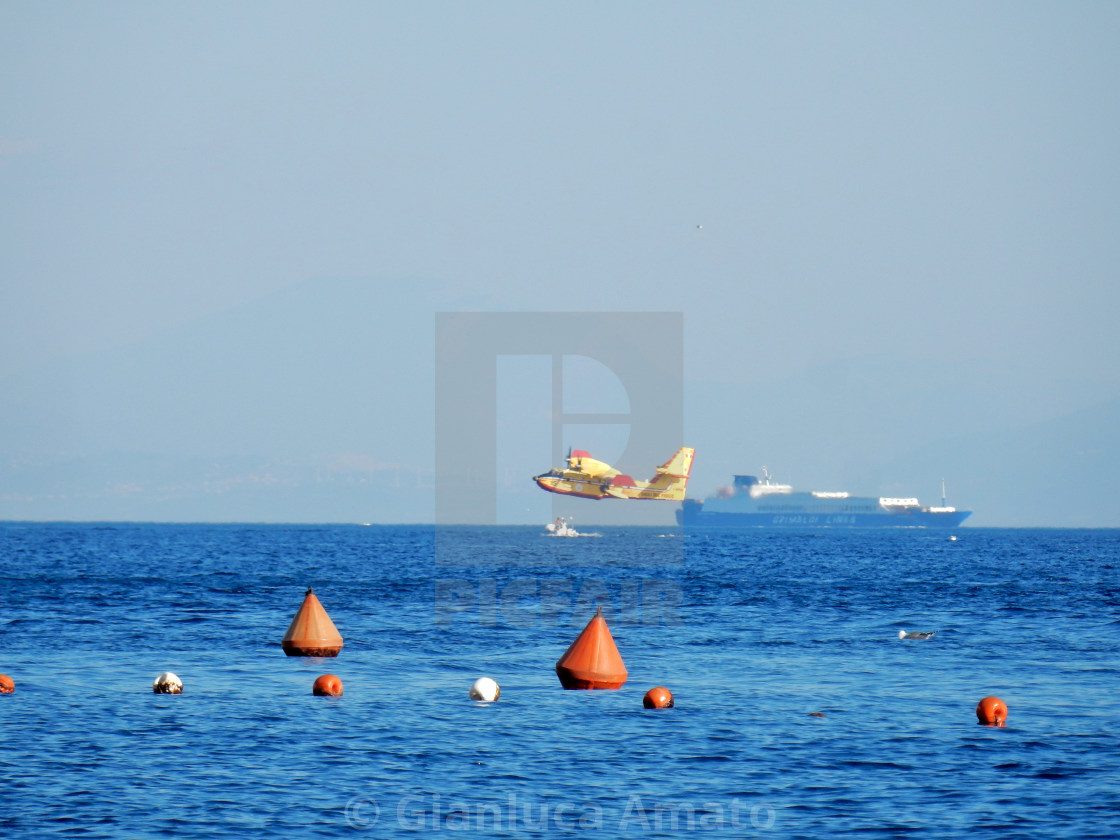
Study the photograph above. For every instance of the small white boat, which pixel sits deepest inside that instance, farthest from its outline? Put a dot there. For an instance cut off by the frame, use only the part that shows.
(562, 528)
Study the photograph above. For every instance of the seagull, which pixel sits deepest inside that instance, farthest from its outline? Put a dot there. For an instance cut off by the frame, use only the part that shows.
(902, 634)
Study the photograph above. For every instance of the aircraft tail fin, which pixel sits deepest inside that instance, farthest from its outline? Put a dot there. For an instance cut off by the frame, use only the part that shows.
(672, 476)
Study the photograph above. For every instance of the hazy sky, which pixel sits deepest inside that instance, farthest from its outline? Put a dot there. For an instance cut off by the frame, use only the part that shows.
(916, 200)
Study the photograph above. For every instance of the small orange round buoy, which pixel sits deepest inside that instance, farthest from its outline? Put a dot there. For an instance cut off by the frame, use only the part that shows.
(327, 685)
(658, 697)
(991, 711)
(7, 684)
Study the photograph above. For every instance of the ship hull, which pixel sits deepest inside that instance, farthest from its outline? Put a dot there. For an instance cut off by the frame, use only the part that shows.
(692, 513)
(689, 516)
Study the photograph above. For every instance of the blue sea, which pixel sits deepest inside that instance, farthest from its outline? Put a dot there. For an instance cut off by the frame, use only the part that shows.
(753, 631)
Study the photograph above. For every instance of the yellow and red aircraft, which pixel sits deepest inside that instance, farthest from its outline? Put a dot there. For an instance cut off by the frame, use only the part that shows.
(593, 479)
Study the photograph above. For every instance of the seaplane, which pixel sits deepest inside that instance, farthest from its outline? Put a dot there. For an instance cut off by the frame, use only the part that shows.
(591, 479)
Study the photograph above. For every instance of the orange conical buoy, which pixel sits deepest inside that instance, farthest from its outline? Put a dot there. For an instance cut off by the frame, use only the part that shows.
(592, 661)
(311, 633)
(7, 684)
(991, 711)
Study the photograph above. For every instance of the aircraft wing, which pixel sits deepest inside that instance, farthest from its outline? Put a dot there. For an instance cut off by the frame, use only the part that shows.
(584, 463)
(621, 486)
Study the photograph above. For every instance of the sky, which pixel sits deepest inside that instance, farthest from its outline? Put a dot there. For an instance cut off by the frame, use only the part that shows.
(226, 231)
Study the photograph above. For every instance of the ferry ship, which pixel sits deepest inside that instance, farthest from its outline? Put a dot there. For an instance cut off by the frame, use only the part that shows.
(751, 502)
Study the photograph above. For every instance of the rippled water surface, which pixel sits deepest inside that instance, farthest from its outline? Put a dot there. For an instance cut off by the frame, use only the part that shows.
(754, 631)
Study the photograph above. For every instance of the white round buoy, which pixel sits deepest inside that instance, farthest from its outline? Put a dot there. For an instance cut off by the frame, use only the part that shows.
(485, 689)
(167, 683)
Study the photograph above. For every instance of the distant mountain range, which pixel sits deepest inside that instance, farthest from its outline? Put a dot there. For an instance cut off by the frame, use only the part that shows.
(312, 404)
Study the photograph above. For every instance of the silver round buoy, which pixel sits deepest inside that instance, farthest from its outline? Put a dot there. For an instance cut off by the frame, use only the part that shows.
(167, 683)
(485, 689)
